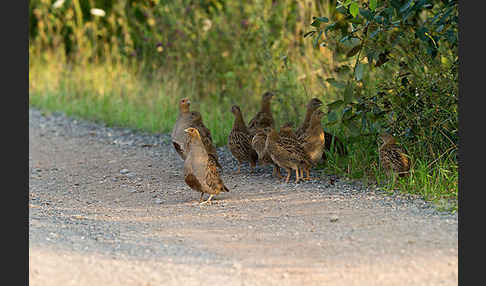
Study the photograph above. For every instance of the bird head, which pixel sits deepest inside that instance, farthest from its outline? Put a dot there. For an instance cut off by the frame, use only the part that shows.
(184, 104)
(235, 109)
(267, 96)
(288, 124)
(196, 116)
(314, 103)
(387, 138)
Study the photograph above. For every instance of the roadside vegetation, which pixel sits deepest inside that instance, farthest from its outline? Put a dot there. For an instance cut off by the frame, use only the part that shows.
(377, 65)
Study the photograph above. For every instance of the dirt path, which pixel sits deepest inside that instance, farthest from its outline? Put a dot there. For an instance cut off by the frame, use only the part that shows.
(109, 207)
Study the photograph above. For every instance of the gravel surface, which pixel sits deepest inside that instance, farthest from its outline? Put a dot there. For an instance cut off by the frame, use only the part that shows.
(108, 206)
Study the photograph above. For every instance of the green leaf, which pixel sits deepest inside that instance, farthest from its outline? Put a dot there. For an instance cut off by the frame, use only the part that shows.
(332, 117)
(358, 73)
(366, 13)
(372, 5)
(348, 93)
(335, 105)
(316, 23)
(336, 83)
(354, 9)
(322, 19)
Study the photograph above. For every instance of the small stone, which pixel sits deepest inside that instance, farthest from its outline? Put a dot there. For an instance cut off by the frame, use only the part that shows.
(158, 201)
(124, 171)
(333, 219)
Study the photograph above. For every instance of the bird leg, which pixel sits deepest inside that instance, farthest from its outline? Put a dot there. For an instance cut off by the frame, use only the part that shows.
(308, 175)
(252, 167)
(297, 177)
(208, 201)
(201, 198)
(288, 174)
(276, 171)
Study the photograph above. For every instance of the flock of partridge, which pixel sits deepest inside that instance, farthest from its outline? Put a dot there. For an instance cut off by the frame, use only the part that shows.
(260, 143)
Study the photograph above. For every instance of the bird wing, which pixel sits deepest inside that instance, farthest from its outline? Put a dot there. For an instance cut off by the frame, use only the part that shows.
(192, 182)
(213, 179)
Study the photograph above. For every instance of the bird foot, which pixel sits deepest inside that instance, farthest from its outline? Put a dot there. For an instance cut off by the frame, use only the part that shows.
(207, 202)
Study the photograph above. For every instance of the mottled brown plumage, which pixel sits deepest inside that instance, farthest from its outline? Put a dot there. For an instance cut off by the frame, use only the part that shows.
(392, 157)
(258, 144)
(200, 169)
(314, 104)
(239, 141)
(186, 119)
(287, 131)
(313, 139)
(289, 155)
(264, 117)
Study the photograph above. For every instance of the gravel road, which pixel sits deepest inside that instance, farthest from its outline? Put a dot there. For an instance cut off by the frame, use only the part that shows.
(108, 206)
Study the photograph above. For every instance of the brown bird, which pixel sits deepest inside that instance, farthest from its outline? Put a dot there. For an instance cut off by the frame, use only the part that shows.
(314, 104)
(287, 131)
(330, 139)
(186, 119)
(239, 141)
(200, 169)
(287, 154)
(264, 117)
(392, 157)
(183, 121)
(205, 136)
(258, 144)
(313, 140)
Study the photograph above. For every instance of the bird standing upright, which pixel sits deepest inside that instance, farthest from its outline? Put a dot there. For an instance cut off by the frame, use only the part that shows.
(264, 117)
(288, 154)
(314, 104)
(313, 140)
(258, 144)
(239, 141)
(200, 169)
(186, 119)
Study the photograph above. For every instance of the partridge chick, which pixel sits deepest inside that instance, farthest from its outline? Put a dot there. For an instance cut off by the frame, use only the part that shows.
(200, 169)
(313, 139)
(264, 117)
(186, 119)
(392, 157)
(258, 144)
(239, 141)
(183, 121)
(286, 154)
(314, 104)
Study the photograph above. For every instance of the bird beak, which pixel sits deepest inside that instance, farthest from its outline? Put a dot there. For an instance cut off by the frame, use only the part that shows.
(186, 130)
